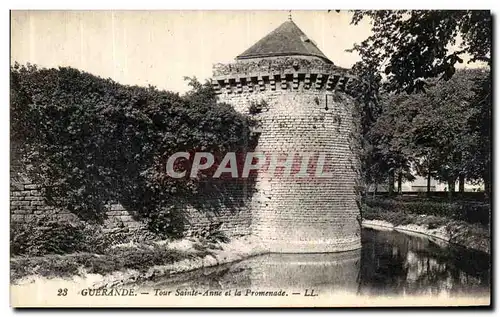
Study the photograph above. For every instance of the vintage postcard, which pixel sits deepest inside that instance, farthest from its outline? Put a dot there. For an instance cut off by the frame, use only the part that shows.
(250, 158)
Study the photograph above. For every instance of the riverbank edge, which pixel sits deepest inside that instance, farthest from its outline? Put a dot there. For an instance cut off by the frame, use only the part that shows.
(233, 251)
(443, 233)
(236, 250)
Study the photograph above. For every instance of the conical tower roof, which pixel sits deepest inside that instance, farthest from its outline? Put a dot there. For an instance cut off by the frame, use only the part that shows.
(286, 40)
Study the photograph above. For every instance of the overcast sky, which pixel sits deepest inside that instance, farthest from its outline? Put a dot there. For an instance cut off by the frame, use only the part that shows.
(161, 47)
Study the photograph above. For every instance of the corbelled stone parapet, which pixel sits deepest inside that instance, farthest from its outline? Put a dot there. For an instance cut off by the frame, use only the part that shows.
(259, 82)
(291, 73)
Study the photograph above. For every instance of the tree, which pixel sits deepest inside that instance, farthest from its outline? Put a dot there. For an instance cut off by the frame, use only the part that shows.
(437, 129)
(380, 161)
(366, 90)
(479, 131)
(415, 51)
(411, 46)
(385, 135)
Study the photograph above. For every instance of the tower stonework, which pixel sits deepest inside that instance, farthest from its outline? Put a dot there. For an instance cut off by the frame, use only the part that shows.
(297, 95)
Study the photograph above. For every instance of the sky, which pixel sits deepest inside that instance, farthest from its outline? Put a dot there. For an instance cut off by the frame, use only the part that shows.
(160, 48)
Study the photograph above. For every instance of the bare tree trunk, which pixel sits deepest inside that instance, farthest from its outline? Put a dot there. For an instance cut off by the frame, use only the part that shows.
(487, 186)
(461, 183)
(429, 183)
(451, 188)
(391, 183)
(400, 182)
(453, 185)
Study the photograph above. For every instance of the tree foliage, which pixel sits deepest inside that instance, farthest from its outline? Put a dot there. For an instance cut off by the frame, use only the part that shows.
(410, 46)
(90, 141)
(438, 130)
(417, 108)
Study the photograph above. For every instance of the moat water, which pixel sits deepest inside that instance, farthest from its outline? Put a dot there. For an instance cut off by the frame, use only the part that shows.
(389, 263)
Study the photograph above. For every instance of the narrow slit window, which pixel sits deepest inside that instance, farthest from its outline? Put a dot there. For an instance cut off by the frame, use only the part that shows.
(328, 102)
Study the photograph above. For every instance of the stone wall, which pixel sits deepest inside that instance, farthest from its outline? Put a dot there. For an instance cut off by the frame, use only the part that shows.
(302, 112)
(233, 223)
(27, 203)
(301, 108)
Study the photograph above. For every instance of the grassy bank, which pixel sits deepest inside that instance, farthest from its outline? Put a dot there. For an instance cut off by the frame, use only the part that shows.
(140, 257)
(462, 223)
(474, 212)
(54, 249)
(131, 263)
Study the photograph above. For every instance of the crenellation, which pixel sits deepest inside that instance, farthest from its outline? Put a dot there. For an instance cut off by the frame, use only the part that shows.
(272, 82)
(239, 83)
(283, 83)
(295, 81)
(262, 86)
(307, 81)
(249, 84)
(239, 89)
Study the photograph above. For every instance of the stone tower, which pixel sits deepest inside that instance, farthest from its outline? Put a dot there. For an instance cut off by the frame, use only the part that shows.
(297, 95)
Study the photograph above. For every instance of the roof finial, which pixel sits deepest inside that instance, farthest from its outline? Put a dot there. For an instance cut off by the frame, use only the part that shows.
(290, 15)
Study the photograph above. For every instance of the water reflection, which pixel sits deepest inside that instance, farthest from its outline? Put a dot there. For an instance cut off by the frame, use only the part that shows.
(396, 263)
(291, 272)
(389, 263)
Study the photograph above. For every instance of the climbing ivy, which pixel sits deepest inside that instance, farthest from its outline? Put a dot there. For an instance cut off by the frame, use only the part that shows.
(90, 140)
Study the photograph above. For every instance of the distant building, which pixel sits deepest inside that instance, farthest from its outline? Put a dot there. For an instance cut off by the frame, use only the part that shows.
(420, 185)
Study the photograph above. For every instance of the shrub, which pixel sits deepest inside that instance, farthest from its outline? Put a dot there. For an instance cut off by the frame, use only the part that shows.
(168, 222)
(213, 233)
(432, 225)
(468, 211)
(396, 218)
(44, 236)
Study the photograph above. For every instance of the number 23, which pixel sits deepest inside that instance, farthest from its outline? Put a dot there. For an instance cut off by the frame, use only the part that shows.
(62, 292)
